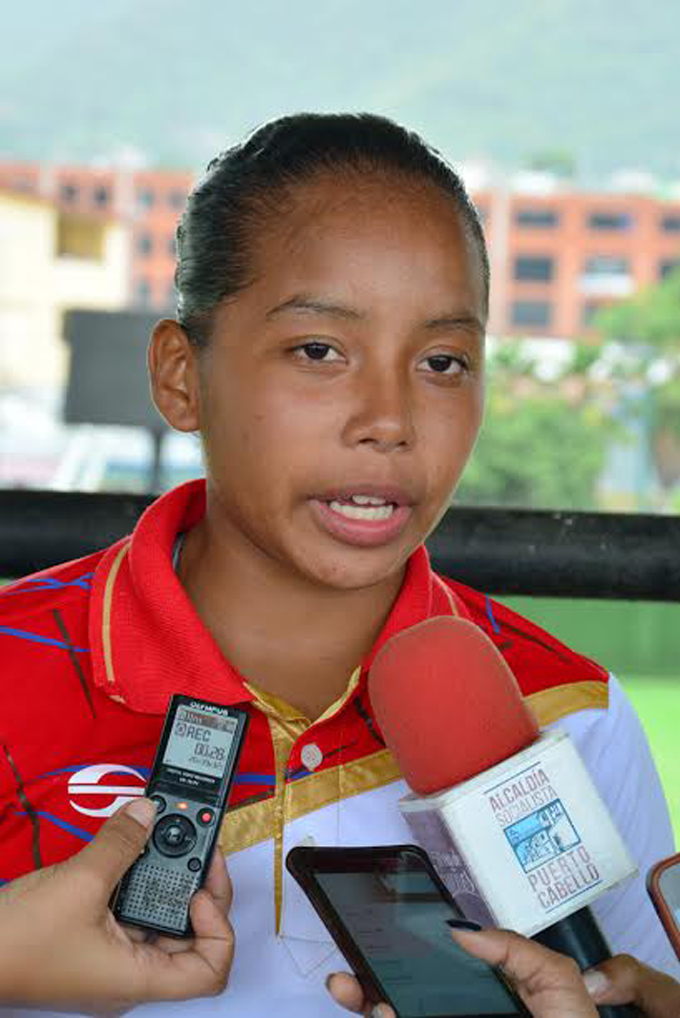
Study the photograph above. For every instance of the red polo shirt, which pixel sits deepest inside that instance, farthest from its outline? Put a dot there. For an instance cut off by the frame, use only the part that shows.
(93, 649)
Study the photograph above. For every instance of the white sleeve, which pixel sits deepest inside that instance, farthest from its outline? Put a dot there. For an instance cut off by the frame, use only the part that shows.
(614, 748)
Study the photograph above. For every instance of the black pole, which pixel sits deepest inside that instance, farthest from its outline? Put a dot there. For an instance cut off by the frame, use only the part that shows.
(502, 551)
(156, 468)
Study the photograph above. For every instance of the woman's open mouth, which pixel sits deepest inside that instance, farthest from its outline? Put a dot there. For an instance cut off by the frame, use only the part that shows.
(362, 519)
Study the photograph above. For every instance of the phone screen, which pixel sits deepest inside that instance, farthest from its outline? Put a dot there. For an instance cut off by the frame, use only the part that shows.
(397, 917)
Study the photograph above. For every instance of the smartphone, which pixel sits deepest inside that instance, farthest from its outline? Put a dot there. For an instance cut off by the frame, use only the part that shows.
(663, 884)
(387, 911)
(190, 783)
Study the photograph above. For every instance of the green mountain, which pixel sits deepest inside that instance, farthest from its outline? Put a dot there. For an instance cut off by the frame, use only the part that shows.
(507, 79)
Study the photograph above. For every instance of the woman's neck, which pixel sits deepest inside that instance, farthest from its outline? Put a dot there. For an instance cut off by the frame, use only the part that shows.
(293, 638)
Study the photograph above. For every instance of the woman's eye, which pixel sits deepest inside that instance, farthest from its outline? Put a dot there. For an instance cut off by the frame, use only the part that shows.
(316, 351)
(446, 364)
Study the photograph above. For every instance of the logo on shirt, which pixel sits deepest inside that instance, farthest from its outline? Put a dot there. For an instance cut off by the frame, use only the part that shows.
(101, 789)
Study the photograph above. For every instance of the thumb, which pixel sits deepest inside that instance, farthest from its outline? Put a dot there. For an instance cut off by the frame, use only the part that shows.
(623, 979)
(117, 844)
(524, 961)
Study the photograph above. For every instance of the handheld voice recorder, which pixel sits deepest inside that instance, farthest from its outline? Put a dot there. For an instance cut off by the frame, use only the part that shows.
(190, 784)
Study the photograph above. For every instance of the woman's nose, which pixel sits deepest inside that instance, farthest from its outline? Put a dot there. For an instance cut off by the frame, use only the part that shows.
(382, 412)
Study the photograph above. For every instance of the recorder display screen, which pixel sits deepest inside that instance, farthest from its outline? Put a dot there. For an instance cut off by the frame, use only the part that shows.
(200, 741)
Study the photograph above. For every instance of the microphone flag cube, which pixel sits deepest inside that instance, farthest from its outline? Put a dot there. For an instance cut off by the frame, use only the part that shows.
(525, 843)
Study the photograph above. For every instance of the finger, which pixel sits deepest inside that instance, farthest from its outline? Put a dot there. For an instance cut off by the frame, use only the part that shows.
(174, 945)
(135, 933)
(527, 963)
(624, 980)
(117, 844)
(614, 980)
(195, 968)
(218, 884)
(346, 991)
(213, 935)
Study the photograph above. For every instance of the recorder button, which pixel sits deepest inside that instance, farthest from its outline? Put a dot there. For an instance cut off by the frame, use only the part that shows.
(160, 804)
(205, 817)
(194, 864)
(174, 835)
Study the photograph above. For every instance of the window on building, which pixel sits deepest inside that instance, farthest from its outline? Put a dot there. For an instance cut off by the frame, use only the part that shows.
(589, 311)
(144, 244)
(537, 218)
(668, 266)
(606, 265)
(177, 199)
(532, 313)
(143, 292)
(101, 196)
(81, 238)
(610, 221)
(145, 198)
(533, 267)
(68, 193)
(671, 223)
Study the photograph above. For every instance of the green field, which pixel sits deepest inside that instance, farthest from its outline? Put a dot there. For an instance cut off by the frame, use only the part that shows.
(657, 701)
(639, 641)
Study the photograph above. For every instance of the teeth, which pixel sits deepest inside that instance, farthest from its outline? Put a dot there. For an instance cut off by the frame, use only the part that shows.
(368, 500)
(354, 512)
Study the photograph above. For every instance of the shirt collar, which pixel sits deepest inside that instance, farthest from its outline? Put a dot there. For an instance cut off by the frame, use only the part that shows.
(149, 642)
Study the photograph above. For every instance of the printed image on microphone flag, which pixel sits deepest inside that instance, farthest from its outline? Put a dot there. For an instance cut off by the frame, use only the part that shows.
(542, 835)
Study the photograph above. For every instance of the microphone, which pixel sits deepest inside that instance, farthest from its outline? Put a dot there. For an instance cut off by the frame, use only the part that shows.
(509, 815)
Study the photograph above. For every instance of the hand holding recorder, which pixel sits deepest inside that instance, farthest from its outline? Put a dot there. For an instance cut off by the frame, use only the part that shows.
(61, 947)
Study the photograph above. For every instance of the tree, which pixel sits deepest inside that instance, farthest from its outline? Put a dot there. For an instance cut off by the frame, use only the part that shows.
(651, 318)
(542, 444)
(648, 326)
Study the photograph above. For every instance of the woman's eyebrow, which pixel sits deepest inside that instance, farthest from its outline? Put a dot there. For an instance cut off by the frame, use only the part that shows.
(316, 306)
(455, 321)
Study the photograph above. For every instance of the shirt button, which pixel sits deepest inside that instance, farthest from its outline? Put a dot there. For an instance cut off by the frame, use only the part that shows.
(311, 756)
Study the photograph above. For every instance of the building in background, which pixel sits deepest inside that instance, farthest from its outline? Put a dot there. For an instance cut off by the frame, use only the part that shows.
(149, 202)
(52, 259)
(557, 259)
(557, 254)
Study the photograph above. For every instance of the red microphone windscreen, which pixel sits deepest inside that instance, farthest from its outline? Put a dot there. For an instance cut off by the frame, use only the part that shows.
(447, 703)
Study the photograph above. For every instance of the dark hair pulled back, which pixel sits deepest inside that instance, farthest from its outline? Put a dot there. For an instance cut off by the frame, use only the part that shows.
(244, 185)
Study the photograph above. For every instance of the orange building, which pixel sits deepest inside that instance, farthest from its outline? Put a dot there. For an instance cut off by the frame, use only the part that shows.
(556, 259)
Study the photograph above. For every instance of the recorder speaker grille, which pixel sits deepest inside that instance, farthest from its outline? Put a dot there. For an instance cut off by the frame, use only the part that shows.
(157, 895)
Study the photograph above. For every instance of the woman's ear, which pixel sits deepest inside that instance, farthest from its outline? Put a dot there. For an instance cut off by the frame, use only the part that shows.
(173, 374)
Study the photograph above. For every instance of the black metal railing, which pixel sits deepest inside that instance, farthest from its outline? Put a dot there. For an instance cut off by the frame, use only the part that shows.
(502, 551)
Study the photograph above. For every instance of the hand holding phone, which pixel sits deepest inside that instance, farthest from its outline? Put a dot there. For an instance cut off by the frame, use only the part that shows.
(388, 912)
(663, 885)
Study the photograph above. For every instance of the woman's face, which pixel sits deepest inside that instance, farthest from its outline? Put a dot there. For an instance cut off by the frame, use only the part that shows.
(341, 393)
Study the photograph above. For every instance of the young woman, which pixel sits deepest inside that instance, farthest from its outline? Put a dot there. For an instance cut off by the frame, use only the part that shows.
(333, 289)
